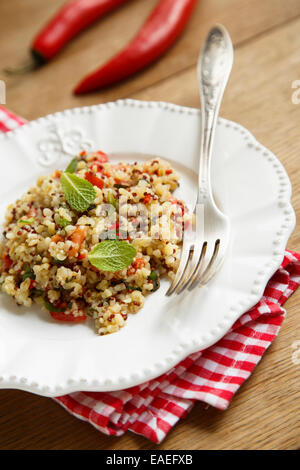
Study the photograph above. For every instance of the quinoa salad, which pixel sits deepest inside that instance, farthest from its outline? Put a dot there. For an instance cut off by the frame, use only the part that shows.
(76, 244)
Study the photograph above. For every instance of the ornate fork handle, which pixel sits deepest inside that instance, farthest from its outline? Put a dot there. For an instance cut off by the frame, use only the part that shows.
(214, 68)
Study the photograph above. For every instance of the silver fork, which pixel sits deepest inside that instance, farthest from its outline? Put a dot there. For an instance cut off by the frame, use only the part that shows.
(205, 242)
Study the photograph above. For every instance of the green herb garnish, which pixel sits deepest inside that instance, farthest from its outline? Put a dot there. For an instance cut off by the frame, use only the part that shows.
(63, 222)
(51, 307)
(36, 292)
(72, 167)
(22, 222)
(156, 285)
(153, 276)
(79, 192)
(112, 255)
(90, 312)
(129, 287)
(27, 273)
(155, 280)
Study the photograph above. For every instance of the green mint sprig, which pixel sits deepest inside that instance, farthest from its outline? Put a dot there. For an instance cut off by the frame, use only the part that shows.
(112, 255)
(79, 192)
(72, 167)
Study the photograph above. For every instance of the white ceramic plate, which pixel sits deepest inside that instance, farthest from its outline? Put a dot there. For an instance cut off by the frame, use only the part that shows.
(49, 358)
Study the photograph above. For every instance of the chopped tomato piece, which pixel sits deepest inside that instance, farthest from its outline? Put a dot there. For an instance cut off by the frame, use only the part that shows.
(61, 316)
(81, 256)
(32, 284)
(168, 172)
(7, 261)
(94, 180)
(102, 158)
(77, 238)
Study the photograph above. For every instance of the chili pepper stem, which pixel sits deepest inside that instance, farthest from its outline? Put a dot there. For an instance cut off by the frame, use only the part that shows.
(28, 67)
(33, 62)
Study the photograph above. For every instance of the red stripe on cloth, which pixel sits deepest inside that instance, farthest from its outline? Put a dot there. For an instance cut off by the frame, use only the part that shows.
(212, 376)
(3, 128)
(238, 346)
(204, 373)
(227, 361)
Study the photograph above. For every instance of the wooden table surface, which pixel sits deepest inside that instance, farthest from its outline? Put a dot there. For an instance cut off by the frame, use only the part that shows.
(265, 412)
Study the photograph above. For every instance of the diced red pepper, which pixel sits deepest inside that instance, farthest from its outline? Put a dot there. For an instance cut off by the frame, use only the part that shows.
(81, 256)
(123, 183)
(57, 238)
(61, 316)
(138, 263)
(32, 284)
(94, 180)
(147, 198)
(168, 172)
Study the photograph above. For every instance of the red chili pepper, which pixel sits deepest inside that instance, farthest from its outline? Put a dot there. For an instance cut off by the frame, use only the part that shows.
(158, 33)
(61, 316)
(94, 180)
(70, 20)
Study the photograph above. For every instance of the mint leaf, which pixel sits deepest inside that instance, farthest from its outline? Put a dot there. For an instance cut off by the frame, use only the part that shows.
(72, 167)
(112, 255)
(79, 192)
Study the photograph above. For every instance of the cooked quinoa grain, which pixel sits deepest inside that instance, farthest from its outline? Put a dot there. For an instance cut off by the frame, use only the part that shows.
(46, 243)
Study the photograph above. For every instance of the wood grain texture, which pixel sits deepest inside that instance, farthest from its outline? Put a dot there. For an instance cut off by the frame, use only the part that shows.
(19, 22)
(265, 412)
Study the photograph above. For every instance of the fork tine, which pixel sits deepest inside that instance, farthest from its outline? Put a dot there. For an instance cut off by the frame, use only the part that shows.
(198, 267)
(183, 264)
(203, 277)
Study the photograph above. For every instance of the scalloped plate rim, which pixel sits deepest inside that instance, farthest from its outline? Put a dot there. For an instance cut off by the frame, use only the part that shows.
(183, 350)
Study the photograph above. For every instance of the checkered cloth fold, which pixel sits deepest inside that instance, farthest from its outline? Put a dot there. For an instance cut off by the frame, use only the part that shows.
(212, 376)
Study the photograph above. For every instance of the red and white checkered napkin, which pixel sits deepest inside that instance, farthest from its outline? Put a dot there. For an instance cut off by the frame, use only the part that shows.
(212, 376)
